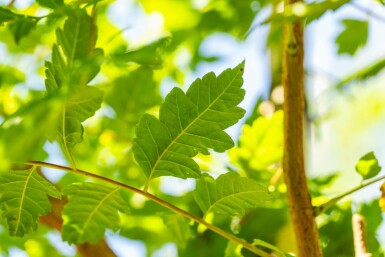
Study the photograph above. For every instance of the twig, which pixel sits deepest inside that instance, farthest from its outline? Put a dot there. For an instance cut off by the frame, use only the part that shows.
(323, 207)
(165, 204)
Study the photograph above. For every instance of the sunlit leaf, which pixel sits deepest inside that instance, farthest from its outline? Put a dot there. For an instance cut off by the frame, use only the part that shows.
(91, 209)
(368, 166)
(23, 199)
(279, 252)
(21, 27)
(10, 75)
(230, 194)
(352, 37)
(190, 123)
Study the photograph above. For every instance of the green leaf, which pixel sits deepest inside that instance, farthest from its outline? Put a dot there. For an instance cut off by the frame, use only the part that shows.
(21, 27)
(24, 198)
(362, 74)
(150, 55)
(90, 210)
(53, 4)
(190, 123)
(258, 242)
(179, 227)
(7, 15)
(352, 37)
(233, 250)
(10, 75)
(368, 166)
(229, 194)
(74, 49)
(309, 11)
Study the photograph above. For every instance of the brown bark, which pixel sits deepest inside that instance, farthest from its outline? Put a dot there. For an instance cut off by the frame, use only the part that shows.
(299, 201)
(54, 220)
(360, 249)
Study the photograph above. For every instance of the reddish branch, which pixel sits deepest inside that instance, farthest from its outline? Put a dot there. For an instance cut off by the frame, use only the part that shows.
(299, 201)
(54, 220)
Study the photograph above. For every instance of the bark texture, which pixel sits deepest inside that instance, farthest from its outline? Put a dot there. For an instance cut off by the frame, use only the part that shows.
(299, 201)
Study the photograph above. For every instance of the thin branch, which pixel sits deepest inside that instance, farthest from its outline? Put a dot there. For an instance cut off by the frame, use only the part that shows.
(165, 204)
(323, 207)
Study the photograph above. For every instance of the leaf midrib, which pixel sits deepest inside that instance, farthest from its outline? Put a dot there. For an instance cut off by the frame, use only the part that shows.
(96, 208)
(22, 198)
(226, 197)
(184, 130)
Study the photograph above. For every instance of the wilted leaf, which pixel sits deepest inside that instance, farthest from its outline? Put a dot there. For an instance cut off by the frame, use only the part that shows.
(189, 123)
(368, 166)
(229, 194)
(352, 37)
(23, 199)
(90, 210)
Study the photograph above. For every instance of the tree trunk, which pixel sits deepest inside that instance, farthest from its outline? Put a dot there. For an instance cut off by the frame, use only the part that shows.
(301, 210)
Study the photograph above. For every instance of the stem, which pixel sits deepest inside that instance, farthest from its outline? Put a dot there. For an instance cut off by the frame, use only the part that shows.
(301, 210)
(323, 207)
(165, 204)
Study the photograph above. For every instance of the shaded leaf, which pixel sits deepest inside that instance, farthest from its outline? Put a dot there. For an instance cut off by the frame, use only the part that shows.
(150, 55)
(21, 27)
(10, 75)
(258, 242)
(24, 198)
(229, 194)
(7, 15)
(90, 210)
(179, 227)
(53, 4)
(368, 166)
(189, 123)
(352, 37)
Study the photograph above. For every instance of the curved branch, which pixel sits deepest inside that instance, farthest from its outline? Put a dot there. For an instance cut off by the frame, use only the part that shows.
(165, 204)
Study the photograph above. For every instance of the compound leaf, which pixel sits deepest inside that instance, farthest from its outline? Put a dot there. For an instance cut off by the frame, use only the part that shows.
(23, 199)
(74, 49)
(229, 194)
(190, 123)
(90, 210)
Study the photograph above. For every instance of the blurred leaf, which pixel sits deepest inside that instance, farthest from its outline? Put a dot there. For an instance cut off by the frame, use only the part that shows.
(134, 94)
(21, 27)
(23, 134)
(24, 198)
(10, 75)
(372, 213)
(352, 37)
(309, 12)
(152, 54)
(7, 15)
(53, 4)
(260, 147)
(90, 210)
(336, 231)
(258, 242)
(367, 72)
(229, 194)
(179, 227)
(189, 123)
(233, 250)
(368, 166)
